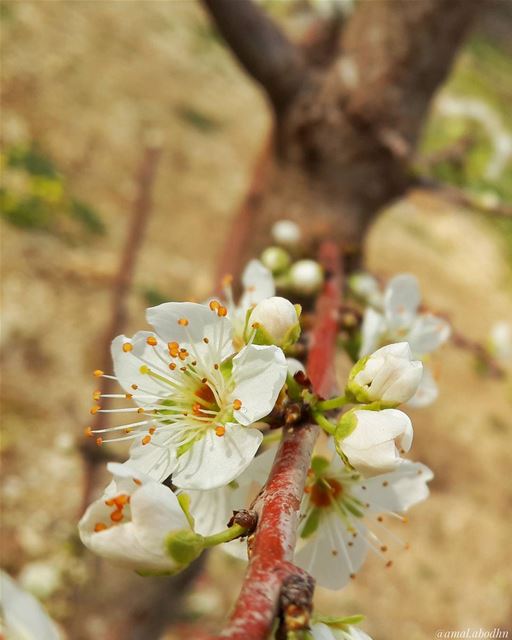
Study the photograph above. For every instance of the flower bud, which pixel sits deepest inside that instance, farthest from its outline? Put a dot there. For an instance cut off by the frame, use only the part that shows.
(276, 259)
(368, 439)
(276, 320)
(306, 276)
(286, 233)
(389, 376)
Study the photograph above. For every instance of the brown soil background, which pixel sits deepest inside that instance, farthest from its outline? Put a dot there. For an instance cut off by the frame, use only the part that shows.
(90, 81)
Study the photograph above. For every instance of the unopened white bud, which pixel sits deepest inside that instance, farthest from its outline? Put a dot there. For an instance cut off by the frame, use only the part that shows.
(389, 376)
(277, 320)
(276, 259)
(306, 276)
(286, 232)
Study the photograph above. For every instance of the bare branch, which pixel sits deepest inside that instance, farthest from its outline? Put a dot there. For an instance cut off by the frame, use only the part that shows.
(261, 48)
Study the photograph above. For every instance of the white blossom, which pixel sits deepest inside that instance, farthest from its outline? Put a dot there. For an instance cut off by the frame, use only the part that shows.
(389, 375)
(196, 399)
(276, 259)
(23, 615)
(342, 515)
(129, 524)
(399, 320)
(371, 446)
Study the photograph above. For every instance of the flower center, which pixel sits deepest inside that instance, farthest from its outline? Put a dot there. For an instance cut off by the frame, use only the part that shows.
(324, 491)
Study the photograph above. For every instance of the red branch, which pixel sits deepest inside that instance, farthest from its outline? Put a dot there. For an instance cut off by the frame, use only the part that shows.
(273, 543)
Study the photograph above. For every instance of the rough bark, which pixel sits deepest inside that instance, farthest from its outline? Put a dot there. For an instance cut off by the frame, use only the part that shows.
(341, 150)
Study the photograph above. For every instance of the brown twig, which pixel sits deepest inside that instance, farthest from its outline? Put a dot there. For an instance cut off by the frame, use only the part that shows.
(261, 48)
(272, 580)
(120, 288)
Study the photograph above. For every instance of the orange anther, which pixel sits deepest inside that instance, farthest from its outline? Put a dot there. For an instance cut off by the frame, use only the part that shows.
(146, 439)
(220, 431)
(100, 526)
(174, 348)
(151, 430)
(98, 373)
(172, 366)
(135, 387)
(128, 430)
(214, 305)
(140, 410)
(151, 340)
(137, 481)
(99, 441)
(255, 325)
(117, 515)
(127, 347)
(128, 396)
(237, 404)
(183, 354)
(96, 395)
(183, 322)
(94, 410)
(389, 564)
(121, 500)
(196, 408)
(222, 312)
(88, 432)
(205, 340)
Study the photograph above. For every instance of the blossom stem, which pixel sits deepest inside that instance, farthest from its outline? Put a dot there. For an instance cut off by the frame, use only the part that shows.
(333, 403)
(326, 424)
(231, 533)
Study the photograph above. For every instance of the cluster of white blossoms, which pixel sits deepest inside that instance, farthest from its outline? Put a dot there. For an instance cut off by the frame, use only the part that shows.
(395, 315)
(203, 387)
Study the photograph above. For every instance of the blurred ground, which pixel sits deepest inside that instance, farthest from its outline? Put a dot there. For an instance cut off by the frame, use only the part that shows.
(89, 83)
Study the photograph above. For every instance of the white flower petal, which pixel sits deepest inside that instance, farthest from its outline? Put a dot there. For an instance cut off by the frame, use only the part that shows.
(328, 557)
(202, 323)
(396, 491)
(372, 329)
(215, 461)
(259, 373)
(401, 301)
(156, 459)
(258, 284)
(371, 446)
(427, 392)
(427, 333)
(127, 367)
(23, 615)
(156, 512)
(321, 631)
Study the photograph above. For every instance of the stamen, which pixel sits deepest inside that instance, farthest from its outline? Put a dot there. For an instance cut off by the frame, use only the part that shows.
(88, 432)
(146, 440)
(214, 305)
(134, 387)
(237, 404)
(94, 410)
(127, 347)
(98, 373)
(183, 322)
(99, 441)
(220, 430)
(222, 312)
(152, 341)
(96, 395)
(117, 515)
(100, 526)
